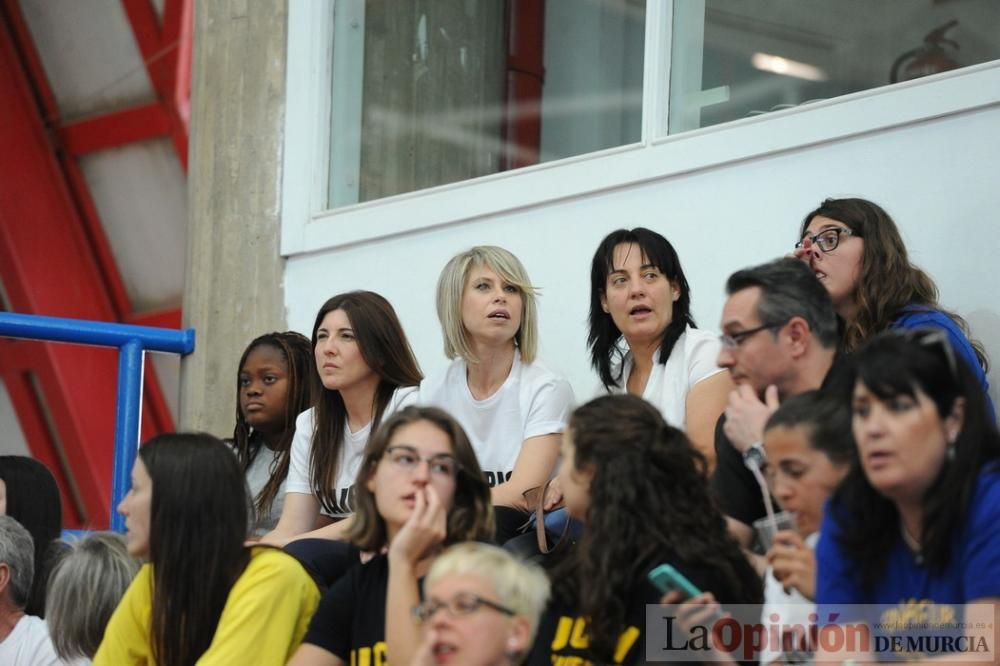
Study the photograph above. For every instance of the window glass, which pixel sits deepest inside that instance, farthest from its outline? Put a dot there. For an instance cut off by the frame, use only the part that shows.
(429, 92)
(735, 59)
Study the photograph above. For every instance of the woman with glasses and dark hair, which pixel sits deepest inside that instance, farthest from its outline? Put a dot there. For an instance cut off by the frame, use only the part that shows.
(855, 249)
(643, 339)
(640, 490)
(481, 607)
(917, 520)
(419, 488)
(365, 371)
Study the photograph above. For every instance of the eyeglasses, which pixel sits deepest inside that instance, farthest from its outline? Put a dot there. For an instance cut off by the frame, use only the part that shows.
(461, 604)
(733, 340)
(406, 458)
(933, 338)
(828, 239)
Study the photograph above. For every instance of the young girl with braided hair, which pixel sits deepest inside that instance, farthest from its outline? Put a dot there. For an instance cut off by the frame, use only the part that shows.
(274, 385)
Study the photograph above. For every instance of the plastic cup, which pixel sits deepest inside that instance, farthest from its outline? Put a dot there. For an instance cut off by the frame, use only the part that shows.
(767, 527)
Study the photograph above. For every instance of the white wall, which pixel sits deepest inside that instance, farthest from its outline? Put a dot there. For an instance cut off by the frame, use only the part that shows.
(938, 178)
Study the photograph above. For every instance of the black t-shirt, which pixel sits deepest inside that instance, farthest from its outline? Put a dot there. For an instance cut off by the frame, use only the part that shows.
(350, 619)
(562, 637)
(734, 486)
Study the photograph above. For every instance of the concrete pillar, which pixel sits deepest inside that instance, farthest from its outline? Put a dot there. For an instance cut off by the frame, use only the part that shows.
(233, 289)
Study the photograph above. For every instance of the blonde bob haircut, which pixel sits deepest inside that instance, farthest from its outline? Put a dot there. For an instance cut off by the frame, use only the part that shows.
(451, 289)
(520, 586)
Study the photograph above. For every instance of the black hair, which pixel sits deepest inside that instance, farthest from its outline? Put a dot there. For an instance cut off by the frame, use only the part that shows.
(789, 288)
(603, 337)
(197, 528)
(827, 419)
(904, 363)
(385, 349)
(33, 500)
(297, 352)
(649, 496)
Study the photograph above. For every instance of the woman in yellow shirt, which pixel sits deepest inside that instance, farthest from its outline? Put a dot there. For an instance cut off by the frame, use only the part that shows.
(203, 596)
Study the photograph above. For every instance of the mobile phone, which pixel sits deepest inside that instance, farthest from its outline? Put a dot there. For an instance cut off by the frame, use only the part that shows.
(666, 579)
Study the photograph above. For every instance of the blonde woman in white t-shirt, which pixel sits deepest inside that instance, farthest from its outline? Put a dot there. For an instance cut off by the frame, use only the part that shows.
(643, 338)
(365, 371)
(513, 408)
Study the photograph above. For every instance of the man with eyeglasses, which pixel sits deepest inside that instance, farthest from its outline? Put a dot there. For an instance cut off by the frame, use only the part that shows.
(779, 339)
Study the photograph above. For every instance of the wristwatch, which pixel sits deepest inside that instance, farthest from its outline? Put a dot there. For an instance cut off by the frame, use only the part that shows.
(755, 456)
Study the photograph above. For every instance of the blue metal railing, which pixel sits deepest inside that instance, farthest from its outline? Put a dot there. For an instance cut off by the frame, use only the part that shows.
(132, 343)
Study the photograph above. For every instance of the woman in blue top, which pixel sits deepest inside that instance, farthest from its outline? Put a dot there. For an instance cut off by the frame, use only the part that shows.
(916, 522)
(856, 251)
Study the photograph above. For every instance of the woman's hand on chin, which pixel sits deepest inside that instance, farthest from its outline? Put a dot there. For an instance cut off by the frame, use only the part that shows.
(424, 530)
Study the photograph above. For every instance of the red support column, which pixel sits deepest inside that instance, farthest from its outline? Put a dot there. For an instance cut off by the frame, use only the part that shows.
(48, 265)
(525, 76)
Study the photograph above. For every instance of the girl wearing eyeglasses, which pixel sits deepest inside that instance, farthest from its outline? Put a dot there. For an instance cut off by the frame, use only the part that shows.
(855, 249)
(419, 488)
(643, 339)
(365, 370)
(481, 607)
(916, 523)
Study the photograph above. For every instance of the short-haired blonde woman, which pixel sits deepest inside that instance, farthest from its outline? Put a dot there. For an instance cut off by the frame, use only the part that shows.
(84, 590)
(512, 407)
(419, 489)
(481, 606)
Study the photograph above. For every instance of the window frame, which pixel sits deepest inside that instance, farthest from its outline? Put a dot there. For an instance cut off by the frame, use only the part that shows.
(308, 226)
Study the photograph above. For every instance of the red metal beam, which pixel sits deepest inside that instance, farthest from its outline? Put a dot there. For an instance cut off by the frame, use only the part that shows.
(167, 318)
(118, 128)
(159, 55)
(48, 265)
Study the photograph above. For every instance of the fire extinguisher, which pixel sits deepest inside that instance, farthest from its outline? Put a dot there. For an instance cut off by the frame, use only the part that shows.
(932, 57)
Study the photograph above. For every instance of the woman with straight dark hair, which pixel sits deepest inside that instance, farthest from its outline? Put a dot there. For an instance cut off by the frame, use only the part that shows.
(29, 495)
(641, 491)
(919, 517)
(419, 489)
(203, 596)
(643, 338)
(273, 386)
(857, 252)
(365, 372)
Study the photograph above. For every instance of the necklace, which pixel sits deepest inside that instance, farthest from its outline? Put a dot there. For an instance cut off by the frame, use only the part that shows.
(912, 545)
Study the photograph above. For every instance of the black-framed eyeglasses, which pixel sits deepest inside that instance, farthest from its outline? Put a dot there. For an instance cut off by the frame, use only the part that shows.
(407, 458)
(828, 239)
(733, 340)
(464, 603)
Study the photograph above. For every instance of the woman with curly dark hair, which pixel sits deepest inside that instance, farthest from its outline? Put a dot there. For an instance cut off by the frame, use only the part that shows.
(857, 252)
(273, 386)
(640, 490)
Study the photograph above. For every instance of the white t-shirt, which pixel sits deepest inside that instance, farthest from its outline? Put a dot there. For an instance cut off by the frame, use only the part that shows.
(791, 607)
(258, 475)
(533, 401)
(28, 644)
(692, 359)
(299, 479)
